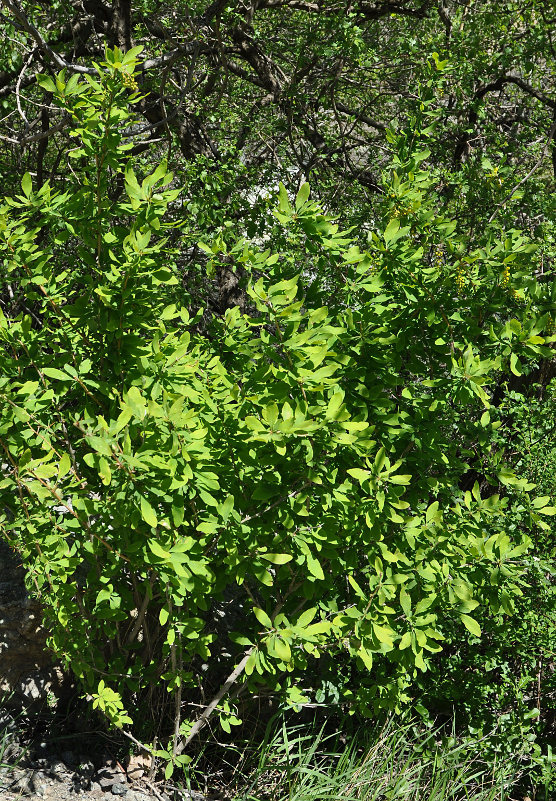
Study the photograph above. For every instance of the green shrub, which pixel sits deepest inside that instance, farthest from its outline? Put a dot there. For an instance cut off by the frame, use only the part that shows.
(302, 463)
(505, 686)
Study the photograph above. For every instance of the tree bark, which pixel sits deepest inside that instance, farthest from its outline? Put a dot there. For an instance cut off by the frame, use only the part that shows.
(120, 29)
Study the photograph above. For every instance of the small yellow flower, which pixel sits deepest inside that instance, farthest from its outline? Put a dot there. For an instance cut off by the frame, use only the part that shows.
(461, 277)
(129, 82)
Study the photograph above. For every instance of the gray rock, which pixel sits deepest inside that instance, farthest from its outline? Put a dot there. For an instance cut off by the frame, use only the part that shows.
(81, 783)
(137, 795)
(5, 778)
(57, 770)
(119, 789)
(12, 753)
(31, 784)
(106, 777)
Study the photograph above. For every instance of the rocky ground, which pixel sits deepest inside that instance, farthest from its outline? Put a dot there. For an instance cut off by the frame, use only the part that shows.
(51, 770)
(52, 779)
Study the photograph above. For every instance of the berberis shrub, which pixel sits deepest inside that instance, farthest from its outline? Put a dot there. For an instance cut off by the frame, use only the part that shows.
(319, 460)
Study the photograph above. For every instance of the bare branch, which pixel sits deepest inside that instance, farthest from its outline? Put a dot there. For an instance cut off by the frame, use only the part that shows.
(298, 5)
(531, 172)
(18, 88)
(27, 140)
(500, 82)
(361, 117)
(29, 28)
(203, 718)
(187, 49)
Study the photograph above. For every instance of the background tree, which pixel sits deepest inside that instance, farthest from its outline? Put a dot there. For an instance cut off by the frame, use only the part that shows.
(241, 94)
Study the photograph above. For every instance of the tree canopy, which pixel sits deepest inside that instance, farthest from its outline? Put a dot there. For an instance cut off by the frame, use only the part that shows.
(266, 90)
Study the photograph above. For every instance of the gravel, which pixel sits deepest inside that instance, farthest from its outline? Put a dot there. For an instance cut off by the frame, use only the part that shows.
(46, 779)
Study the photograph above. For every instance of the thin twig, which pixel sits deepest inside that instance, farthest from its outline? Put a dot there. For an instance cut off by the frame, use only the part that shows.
(529, 174)
(27, 26)
(133, 739)
(27, 140)
(202, 720)
(276, 503)
(18, 87)
(153, 790)
(187, 49)
(140, 615)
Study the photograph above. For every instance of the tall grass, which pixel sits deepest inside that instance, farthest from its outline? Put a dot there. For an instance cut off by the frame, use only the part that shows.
(398, 763)
(5, 740)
